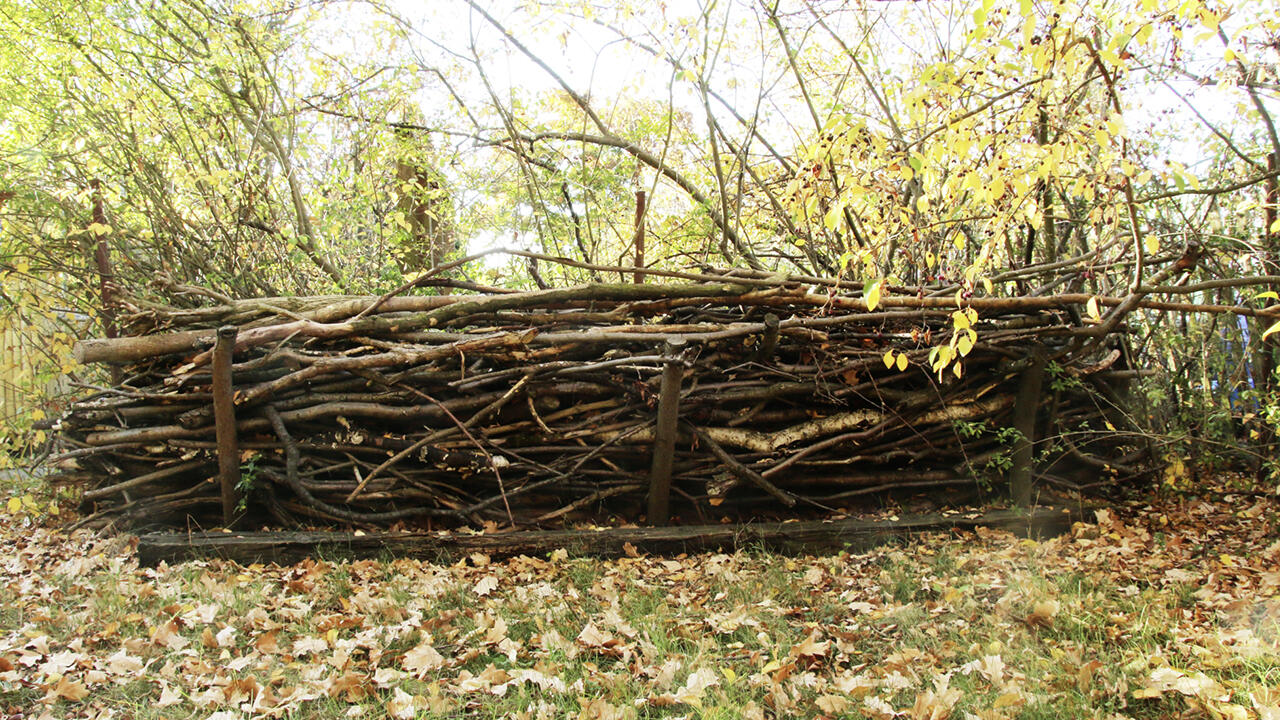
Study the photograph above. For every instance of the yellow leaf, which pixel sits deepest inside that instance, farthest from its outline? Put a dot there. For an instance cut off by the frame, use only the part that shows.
(729, 674)
(956, 369)
(888, 358)
(960, 320)
(902, 362)
(1275, 226)
(1152, 244)
(1091, 308)
(15, 506)
(1270, 330)
(986, 283)
(1229, 55)
(873, 295)
(832, 218)
(29, 502)
(964, 345)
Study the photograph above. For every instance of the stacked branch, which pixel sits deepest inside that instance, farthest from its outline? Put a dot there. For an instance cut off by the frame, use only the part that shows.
(540, 408)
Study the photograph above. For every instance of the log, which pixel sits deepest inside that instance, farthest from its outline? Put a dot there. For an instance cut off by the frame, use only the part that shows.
(132, 349)
(794, 537)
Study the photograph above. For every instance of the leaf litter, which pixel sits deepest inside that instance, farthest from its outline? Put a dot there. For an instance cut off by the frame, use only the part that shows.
(1167, 609)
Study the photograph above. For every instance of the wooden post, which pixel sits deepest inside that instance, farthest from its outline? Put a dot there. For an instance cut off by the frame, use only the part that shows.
(664, 435)
(224, 418)
(769, 342)
(106, 276)
(1025, 406)
(1265, 364)
(639, 277)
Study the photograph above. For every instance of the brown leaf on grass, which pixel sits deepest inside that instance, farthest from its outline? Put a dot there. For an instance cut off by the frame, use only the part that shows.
(167, 636)
(169, 695)
(875, 708)
(1266, 701)
(354, 686)
(267, 643)
(486, 680)
(811, 648)
(487, 585)
(853, 684)
(598, 709)
(304, 646)
(593, 637)
(122, 663)
(1084, 676)
(833, 704)
(936, 703)
(401, 705)
(423, 659)
(1167, 679)
(696, 685)
(1043, 613)
(68, 689)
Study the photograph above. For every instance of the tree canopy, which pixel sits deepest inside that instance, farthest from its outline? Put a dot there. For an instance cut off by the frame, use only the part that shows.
(226, 150)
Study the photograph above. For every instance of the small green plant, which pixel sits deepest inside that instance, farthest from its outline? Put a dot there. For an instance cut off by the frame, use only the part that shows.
(248, 481)
(1060, 381)
(992, 465)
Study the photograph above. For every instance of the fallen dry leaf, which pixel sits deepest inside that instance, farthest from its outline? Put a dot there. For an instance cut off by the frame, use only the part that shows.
(400, 706)
(422, 659)
(833, 704)
(70, 690)
(487, 585)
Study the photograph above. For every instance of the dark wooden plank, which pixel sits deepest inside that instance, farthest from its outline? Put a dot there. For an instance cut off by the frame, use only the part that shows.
(792, 537)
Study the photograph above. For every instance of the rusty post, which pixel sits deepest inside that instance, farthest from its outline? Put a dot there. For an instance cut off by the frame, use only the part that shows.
(639, 277)
(664, 434)
(224, 418)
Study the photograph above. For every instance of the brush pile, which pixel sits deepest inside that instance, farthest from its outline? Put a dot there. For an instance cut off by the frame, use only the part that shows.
(539, 408)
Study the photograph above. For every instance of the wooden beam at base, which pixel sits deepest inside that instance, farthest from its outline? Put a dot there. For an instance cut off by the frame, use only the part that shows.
(793, 537)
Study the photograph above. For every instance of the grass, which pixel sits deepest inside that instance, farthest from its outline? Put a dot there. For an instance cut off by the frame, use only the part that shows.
(1128, 617)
